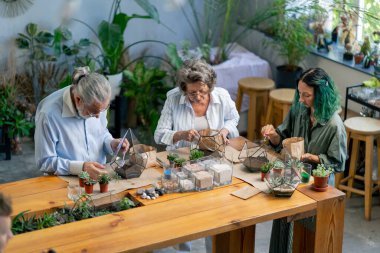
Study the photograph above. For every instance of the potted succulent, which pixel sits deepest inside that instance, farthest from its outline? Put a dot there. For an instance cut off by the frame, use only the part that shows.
(321, 176)
(265, 168)
(104, 180)
(89, 185)
(83, 176)
(196, 154)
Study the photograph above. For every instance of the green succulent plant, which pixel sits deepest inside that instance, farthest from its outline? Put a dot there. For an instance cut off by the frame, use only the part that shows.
(322, 171)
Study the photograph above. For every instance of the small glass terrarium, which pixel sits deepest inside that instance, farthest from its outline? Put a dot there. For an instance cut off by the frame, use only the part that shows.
(170, 183)
(210, 140)
(190, 168)
(283, 184)
(222, 172)
(204, 180)
(253, 155)
(186, 182)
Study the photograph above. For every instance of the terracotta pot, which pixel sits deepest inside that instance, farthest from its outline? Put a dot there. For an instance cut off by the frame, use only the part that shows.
(89, 188)
(320, 182)
(103, 187)
(263, 175)
(358, 58)
(81, 182)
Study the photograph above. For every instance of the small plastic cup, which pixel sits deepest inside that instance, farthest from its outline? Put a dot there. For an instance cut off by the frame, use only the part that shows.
(74, 192)
(306, 173)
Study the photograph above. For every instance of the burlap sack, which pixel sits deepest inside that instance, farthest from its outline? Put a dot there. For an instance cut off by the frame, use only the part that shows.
(143, 155)
(294, 146)
(210, 139)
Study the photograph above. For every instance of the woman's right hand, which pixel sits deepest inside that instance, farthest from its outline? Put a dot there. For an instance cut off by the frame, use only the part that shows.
(189, 135)
(94, 169)
(270, 133)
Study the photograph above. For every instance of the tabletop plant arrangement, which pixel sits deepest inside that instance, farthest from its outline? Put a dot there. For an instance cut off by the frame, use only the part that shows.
(321, 177)
(264, 169)
(83, 208)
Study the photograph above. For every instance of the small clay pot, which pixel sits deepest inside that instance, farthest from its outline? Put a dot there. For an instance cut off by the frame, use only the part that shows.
(103, 187)
(358, 58)
(263, 175)
(81, 182)
(321, 182)
(89, 188)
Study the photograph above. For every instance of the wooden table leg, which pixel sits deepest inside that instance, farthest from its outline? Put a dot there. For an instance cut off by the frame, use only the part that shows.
(237, 241)
(328, 234)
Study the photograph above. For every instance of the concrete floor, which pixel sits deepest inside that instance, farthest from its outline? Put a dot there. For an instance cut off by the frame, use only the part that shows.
(359, 235)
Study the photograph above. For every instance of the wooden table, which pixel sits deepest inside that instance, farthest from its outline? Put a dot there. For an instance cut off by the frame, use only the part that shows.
(176, 218)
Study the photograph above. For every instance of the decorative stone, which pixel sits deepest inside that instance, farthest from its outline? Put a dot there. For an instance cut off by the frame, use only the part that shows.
(203, 180)
(140, 191)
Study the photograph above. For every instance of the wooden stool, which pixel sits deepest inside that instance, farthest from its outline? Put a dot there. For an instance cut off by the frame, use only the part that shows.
(367, 130)
(280, 99)
(257, 89)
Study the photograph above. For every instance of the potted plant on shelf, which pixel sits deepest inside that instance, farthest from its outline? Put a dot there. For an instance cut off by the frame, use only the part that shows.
(83, 176)
(104, 180)
(89, 185)
(265, 168)
(321, 176)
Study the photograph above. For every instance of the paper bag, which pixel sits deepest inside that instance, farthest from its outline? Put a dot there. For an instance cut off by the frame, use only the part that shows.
(294, 146)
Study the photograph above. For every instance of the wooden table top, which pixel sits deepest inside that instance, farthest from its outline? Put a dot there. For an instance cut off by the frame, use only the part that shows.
(168, 220)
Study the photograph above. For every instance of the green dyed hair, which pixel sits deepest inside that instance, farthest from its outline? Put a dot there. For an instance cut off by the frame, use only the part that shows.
(326, 95)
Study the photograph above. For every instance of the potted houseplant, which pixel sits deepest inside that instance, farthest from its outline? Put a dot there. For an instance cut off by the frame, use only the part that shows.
(104, 180)
(89, 185)
(321, 176)
(265, 168)
(83, 176)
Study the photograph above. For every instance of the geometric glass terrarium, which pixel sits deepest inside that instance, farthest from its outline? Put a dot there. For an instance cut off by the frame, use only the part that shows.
(283, 182)
(139, 157)
(253, 156)
(209, 140)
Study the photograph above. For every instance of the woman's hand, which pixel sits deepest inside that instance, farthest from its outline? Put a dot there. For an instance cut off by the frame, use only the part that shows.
(94, 169)
(310, 157)
(189, 135)
(224, 132)
(269, 132)
(115, 143)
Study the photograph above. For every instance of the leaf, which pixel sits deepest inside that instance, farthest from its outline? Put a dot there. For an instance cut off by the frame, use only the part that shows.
(22, 43)
(150, 9)
(31, 29)
(84, 42)
(121, 19)
(44, 37)
(174, 58)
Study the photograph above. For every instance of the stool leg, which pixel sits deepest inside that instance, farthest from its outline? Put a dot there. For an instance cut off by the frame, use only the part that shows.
(368, 177)
(338, 177)
(354, 158)
(269, 112)
(239, 98)
(285, 111)
(265, 97)
(251, 116)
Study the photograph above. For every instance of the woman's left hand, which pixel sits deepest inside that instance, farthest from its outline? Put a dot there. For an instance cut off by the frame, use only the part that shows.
(115, 143)
(310, 157)
(224, 132)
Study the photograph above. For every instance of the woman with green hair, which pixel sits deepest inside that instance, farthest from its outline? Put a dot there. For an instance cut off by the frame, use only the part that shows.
(314, 117)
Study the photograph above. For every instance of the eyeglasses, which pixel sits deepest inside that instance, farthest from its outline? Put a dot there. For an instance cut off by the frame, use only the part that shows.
(91, 114)
(201, 93)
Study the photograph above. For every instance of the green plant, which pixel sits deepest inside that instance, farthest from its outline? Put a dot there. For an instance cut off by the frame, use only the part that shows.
(90, 181)
(266, 167)
(104, 179)
(15, 121)
(172, 156)
(179, 161)
(278, 164)
(322, 171)
(148, 88)
(43, 48)
(110, 34)
(196, 154)
(84, 175)
(214, 27)
(125, 204)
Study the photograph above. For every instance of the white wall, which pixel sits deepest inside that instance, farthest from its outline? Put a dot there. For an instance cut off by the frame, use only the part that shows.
(342, 75)
(49, 15)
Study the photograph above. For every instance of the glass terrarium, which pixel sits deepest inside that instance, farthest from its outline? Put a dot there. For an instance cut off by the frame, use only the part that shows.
(186, 182)
(210, 140)
(283, 184)
(253, 155)
(204, 180)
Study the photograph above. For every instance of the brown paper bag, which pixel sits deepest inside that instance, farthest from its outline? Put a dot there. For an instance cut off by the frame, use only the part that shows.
(143, 155)
(294, 146)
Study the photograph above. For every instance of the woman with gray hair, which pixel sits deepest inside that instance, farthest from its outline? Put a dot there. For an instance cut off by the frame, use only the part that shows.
(195, 105)
(71, 127)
